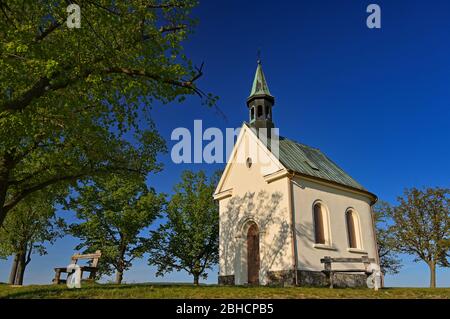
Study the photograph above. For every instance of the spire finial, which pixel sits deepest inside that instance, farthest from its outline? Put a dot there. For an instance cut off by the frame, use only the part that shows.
(259, 56)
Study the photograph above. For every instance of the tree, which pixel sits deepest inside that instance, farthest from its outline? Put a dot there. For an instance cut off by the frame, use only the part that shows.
(30, 225)
(70, 96)
(390, 263)
(422, 226)
(189, 238)
(113, 213)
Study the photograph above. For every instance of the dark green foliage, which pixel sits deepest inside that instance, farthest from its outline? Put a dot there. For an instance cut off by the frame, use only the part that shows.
(31, 224)
(189, 239)
(74, 103)
(390, 263)
(114, 213)
(421, 226)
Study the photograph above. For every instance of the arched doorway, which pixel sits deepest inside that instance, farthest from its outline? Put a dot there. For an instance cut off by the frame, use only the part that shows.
(253, 254)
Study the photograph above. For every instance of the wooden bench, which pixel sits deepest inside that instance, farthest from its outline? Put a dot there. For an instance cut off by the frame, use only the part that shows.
(329, 272)
(92, 268)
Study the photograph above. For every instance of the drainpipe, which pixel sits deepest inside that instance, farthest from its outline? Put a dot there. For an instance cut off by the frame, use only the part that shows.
(374, 230)
(292, 215)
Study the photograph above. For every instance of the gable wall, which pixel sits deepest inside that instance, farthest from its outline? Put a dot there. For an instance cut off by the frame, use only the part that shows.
(254, 199)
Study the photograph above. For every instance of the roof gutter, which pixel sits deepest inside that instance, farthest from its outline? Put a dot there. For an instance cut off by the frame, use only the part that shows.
(373, 198)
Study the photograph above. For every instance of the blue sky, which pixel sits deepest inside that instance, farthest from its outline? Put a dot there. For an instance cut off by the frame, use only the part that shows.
(375, 101)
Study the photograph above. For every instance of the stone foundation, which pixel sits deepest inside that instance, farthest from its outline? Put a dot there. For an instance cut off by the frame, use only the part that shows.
(340, 280)
(282, 278)
(346, 280)
(226, 280)
(306, 278)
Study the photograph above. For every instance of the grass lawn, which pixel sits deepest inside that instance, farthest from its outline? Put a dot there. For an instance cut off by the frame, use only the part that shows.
(128, 291)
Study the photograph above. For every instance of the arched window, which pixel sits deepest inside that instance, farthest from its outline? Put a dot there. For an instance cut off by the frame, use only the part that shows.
(267, 109)
(353, 229)
(252, 113)
(260, 111)
(319, 224)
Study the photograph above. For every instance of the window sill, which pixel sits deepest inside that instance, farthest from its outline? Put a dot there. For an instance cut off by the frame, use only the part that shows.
(325, 247)
(357, 251)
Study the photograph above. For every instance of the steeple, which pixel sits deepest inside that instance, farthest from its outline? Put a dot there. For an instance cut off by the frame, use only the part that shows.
(260, 101)
(260, 86)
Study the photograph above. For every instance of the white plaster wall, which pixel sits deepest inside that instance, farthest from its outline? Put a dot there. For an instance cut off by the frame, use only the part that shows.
(305, 193)
(253, 199)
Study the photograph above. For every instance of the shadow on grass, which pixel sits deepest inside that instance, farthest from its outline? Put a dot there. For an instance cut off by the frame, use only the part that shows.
(87, 290)
(169, 290)
(62, 290)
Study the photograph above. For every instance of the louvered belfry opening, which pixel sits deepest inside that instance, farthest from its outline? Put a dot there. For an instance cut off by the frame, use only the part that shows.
(253, 259)
(351, 229)
(318, 224)
(260, 111)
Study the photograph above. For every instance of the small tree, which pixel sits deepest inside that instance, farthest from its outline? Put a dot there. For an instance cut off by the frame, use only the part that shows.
(31, 224)
(114, 212)
(390, 263)
(189, 239)
(422, 226)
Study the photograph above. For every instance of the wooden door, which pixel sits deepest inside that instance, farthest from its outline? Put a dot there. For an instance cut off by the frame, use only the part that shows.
(253, 255)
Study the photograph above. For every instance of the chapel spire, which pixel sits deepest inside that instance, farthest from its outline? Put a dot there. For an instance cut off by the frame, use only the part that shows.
(260, 101)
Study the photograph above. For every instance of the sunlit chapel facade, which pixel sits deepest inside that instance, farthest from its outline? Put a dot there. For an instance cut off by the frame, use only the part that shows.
(284, 206)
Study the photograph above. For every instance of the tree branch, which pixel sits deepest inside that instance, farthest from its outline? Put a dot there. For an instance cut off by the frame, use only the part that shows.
(41, 36)
(104, 8)
(24, 193)
(178, 5)
(189, 84)
(4, 6)
(39, 186)
(42, 86)
(30, 251)
(172, 28)
(37, 90)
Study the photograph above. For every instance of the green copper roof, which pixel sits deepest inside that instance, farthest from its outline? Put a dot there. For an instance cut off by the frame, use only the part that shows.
(260, 86)
(312, 162)
(309, 161)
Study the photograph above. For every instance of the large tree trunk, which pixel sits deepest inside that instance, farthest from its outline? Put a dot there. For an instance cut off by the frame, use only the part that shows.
(12, 274)
(121, 264)
(4, 176)
(23, 259)
(2, 209)
(119, 276)
(432, 266)
(196, 277)
(20, 269)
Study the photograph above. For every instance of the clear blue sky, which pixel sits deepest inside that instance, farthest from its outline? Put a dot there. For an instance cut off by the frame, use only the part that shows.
(376, 101)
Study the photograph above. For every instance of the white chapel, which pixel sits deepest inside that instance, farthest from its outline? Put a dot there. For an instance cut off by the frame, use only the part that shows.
(285, 207)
